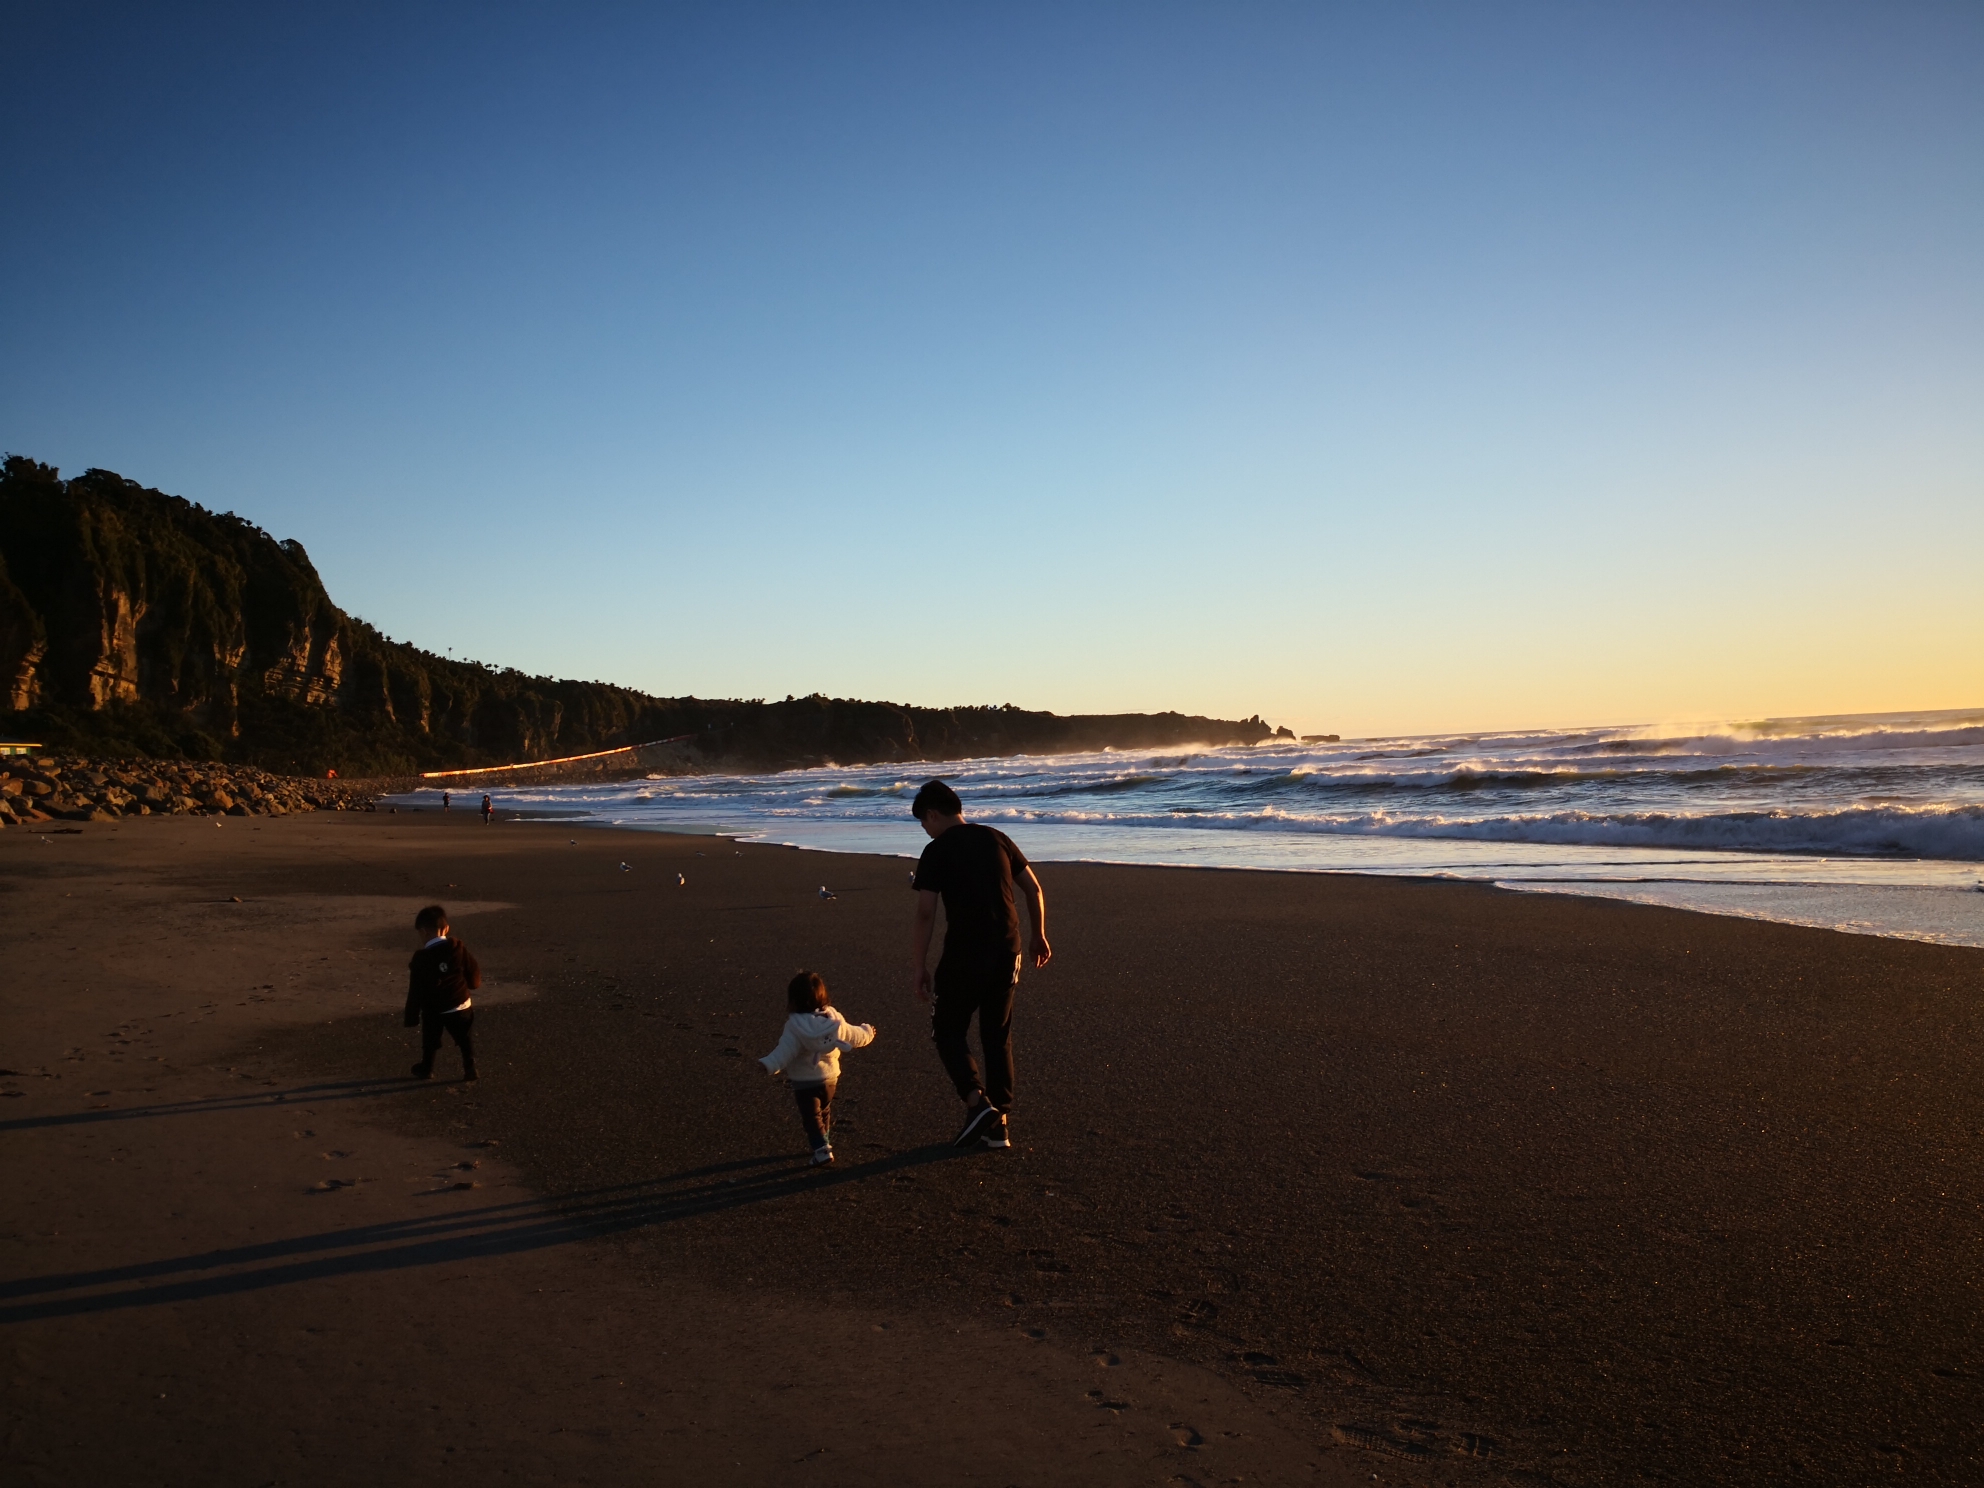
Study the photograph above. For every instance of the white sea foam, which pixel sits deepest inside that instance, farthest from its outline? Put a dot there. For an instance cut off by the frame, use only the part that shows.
(1953, 833)
(1892, 800)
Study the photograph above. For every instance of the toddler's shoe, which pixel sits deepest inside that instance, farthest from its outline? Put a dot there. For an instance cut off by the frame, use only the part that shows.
(823, 1157)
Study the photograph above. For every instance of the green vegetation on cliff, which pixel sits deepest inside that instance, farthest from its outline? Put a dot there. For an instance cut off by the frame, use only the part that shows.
(136, 623)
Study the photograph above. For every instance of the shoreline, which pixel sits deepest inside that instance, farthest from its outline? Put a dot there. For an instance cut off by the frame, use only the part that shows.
(1437, 1183)
(1947, 915)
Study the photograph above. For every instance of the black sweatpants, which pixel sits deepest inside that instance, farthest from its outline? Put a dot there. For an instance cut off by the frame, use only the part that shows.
(459, 1026)
(986, 990)
(816, 1110)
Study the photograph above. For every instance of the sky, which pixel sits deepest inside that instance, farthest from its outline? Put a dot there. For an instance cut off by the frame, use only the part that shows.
(1373, 368)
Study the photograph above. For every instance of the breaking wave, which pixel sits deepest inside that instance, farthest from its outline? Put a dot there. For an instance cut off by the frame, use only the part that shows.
(1951, 833)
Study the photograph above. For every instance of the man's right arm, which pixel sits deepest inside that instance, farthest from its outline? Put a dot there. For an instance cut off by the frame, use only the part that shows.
(919, 948)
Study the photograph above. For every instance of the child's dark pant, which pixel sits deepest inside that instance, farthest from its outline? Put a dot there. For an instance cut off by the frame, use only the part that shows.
(987, 990)
(459, 1026)
(816, 1111)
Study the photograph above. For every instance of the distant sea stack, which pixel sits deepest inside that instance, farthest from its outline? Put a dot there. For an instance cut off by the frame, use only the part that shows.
(137, 623)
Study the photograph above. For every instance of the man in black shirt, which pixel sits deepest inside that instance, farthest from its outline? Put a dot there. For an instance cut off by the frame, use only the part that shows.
(975, 870)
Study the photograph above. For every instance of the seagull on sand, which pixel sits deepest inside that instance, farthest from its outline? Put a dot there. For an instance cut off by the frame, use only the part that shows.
(825, 893)
(681, 879)
(625, 869)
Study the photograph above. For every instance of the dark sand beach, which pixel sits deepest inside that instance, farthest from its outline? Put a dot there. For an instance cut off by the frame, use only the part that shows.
(1316, 1179)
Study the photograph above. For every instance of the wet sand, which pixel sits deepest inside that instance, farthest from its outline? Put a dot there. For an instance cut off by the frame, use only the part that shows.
(1316, 1179)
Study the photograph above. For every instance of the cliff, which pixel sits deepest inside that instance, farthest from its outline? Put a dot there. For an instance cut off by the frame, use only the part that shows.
(137, 623)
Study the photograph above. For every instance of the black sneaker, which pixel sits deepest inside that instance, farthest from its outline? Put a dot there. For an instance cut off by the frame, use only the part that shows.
(994, 1134)
(423, 1072)
(974, 1124)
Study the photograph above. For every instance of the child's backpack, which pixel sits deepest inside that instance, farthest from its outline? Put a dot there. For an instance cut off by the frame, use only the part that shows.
(450, 983)
(453, 979)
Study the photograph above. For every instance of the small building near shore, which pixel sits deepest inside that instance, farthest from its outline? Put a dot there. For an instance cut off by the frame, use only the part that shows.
(17, 746)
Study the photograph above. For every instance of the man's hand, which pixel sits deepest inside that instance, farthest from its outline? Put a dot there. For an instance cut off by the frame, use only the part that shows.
(1028, 883)
(923, 984)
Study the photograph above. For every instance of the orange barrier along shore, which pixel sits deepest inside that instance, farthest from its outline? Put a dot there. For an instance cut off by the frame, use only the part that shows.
(570, 759)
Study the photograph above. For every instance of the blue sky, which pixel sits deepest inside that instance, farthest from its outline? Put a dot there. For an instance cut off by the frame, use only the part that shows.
(1376, 368)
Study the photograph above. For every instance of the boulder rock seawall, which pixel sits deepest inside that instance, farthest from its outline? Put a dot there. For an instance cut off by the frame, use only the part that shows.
(59, 789)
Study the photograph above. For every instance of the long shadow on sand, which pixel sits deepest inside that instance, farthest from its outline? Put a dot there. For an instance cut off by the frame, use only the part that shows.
(452, 1237)
(335, 1090)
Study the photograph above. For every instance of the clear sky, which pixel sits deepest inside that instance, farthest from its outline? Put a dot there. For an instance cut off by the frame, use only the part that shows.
(1373, 367)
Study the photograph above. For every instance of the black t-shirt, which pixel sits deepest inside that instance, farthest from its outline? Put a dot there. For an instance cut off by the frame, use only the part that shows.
(973, 868)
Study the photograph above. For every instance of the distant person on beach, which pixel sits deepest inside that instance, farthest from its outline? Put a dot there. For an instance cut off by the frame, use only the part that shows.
(440, 978)
(444, 800)
(974, 869)
(488, 811)
(808, 1054)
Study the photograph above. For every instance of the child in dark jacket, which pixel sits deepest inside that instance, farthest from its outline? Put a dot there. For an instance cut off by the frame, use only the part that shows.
(440, 978)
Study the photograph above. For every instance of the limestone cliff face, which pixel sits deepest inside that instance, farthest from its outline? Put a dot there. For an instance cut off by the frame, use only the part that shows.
(133, 622)
(23, 643)
(137, 598)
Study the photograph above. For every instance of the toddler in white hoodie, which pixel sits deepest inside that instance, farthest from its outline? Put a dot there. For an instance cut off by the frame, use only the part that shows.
(808, 1054)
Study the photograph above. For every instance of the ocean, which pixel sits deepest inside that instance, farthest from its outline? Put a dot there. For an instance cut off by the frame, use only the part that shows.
(1872, 823)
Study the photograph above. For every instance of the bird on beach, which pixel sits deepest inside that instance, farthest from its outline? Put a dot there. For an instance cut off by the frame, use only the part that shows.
(825, 893)
(625, 869)
(681, 879)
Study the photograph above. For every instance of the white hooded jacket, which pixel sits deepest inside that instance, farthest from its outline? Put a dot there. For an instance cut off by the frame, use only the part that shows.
(810, 1048)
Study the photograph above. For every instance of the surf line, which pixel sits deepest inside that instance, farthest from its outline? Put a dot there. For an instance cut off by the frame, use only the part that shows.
(570, 759)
